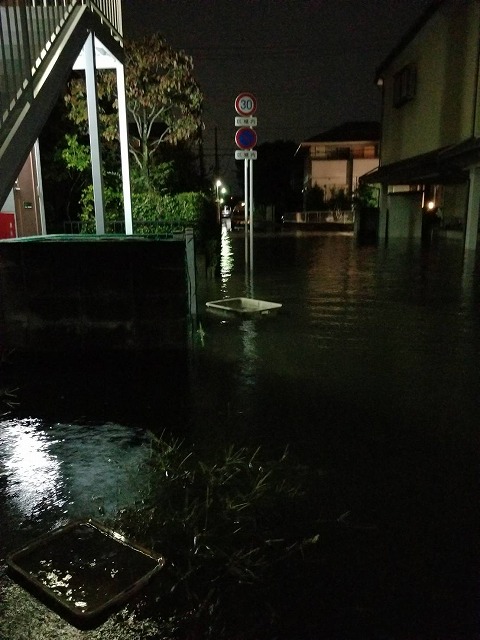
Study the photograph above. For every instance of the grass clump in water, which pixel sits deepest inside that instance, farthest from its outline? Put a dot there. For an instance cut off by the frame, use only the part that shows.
(228, 527)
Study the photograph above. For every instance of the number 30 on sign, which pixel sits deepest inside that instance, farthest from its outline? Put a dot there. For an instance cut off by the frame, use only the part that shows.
(245, 104)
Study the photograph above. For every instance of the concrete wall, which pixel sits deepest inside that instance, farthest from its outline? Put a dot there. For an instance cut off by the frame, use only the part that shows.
(327, 174)
(99, 329)
(334, 173)
(92, 294)
(362, 166)
(455, 198)
(405, 215)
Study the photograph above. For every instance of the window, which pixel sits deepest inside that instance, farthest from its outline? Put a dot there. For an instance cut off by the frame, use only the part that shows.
(338, 153)
(370, 151)
(318, 151)
(404, 85)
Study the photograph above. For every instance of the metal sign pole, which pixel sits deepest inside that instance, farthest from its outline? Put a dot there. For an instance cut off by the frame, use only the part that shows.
(246, 201)
(251, 215)
(246, 139)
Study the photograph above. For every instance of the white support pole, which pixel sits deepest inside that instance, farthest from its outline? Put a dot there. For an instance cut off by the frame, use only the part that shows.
(246, 200)
(251, 214)
(383, 213)
(95, 148)
(40, 199)
(471, 223)
(190, 261)
(123, 129)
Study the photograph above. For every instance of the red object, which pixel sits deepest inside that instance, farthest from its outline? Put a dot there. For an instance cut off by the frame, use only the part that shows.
(246, 138)
(8, 228)
(245, 104)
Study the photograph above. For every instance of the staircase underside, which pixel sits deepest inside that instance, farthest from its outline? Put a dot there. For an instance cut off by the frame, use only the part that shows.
(26, 121)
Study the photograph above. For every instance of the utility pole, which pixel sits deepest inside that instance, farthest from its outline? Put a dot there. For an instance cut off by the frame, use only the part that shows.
(217, 163)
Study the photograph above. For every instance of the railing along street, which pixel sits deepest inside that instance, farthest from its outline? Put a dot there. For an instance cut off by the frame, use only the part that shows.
(140, 227)
(333, 216)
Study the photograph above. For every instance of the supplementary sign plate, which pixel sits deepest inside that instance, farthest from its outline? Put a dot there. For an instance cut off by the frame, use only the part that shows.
(245, 155)
(244, 121)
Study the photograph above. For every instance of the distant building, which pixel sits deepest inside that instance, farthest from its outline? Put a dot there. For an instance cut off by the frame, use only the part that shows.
(335, 159)
(430, 145)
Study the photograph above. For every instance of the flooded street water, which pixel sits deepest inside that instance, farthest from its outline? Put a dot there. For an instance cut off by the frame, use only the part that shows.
(369, 373)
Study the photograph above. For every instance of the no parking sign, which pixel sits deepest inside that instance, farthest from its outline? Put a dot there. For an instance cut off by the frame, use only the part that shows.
(246, 138)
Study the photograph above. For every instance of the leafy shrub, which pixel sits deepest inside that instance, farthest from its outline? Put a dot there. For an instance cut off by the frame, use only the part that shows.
(113, 204)
(153, 212)
(314, 199)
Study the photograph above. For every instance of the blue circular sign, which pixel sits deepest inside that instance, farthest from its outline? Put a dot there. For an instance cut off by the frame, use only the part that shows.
(246, 138)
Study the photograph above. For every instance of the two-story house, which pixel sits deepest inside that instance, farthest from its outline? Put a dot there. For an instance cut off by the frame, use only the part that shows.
(335, 159)
(430, 145)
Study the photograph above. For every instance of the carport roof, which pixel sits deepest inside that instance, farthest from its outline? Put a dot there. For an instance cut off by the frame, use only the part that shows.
(445, 165)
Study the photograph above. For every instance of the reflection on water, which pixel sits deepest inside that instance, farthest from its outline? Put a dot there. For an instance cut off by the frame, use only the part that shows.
(51, 473)
(369, 372)
(386, 331)
(32, 471)
(248, 361)
(226, 259)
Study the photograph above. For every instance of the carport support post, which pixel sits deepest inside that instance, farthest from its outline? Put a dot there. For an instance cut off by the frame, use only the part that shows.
(124, 153)
(190, 262)
(251, 213)
(471, 223)
(95, 148)
(383, 213)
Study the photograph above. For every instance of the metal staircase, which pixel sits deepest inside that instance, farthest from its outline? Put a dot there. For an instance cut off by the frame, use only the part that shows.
(40, 41)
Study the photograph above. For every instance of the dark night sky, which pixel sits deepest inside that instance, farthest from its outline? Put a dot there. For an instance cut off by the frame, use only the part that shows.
(310, 63)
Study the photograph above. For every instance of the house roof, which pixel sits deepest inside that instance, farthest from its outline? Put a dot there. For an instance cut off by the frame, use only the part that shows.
(408, 37)
(357, 131)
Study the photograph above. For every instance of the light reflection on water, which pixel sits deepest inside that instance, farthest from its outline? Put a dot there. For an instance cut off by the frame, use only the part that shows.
(371, 364)
(52, 473)
(370, 373)
(250, 355)
(33, 472)
(227, 261)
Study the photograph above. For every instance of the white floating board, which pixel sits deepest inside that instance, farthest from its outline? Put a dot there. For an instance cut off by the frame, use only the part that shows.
(243, 306)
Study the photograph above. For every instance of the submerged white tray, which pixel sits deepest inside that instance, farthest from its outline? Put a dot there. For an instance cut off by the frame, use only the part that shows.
(243, 306)
(83, 571)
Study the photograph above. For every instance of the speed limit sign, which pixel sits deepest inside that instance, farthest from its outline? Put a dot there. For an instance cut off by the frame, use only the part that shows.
(245, 104)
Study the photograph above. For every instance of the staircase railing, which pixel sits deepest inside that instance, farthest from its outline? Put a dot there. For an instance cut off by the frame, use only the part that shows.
(28, 29)
(109, 11)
